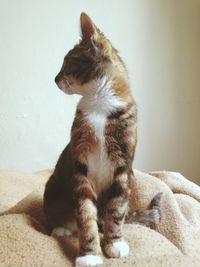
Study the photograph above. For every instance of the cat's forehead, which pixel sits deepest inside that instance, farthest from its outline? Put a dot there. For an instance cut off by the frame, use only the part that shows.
(79, 50)
(74, 51)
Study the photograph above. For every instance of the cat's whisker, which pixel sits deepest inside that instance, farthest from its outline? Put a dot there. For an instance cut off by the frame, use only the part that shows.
(68, 84)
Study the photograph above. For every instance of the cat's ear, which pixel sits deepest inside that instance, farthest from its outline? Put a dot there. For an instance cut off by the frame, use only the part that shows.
(88, 29)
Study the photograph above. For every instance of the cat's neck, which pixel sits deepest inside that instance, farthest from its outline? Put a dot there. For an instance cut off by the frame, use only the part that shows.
(100, 97)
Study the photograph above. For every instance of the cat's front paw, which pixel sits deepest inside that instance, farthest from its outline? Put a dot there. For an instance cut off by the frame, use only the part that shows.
(88, 260)
(117, 249)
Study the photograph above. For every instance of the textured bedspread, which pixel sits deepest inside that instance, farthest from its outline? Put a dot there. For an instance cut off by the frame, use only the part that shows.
(174, 242)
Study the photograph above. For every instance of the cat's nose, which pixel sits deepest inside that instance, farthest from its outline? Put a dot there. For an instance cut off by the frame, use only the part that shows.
(57, 78)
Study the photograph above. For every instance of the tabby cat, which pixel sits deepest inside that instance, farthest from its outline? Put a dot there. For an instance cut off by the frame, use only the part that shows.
(90, 187)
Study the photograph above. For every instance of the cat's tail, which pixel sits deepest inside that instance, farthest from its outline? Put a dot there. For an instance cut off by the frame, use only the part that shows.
(149, 217)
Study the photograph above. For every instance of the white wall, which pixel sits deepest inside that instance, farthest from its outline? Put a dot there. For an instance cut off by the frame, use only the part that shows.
(158, 39)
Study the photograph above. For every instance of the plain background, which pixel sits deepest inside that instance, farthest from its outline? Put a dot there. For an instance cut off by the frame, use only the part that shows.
(159, 41)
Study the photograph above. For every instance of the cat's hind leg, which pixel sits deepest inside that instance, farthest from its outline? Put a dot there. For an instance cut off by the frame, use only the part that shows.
(61, 231)
(67, 229)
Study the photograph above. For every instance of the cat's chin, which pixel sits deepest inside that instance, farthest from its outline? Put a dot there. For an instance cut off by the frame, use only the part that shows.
(67, 92)
(66, 88)
(71, 90)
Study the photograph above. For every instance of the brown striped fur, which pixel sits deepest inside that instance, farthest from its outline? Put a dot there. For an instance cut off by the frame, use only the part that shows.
(91, 181)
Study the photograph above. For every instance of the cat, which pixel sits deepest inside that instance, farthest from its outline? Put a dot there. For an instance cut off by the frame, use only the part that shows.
(89, 189)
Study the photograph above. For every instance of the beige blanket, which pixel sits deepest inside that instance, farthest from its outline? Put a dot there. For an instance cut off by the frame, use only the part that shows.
(174, 242)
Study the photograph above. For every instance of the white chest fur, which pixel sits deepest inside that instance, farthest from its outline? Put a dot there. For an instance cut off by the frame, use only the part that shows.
(97, 103)
(100, 168)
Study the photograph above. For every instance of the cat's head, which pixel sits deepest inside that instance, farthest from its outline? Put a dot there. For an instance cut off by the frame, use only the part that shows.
(90, 61)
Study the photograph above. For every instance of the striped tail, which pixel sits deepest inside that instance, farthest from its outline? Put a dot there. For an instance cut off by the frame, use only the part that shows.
(149, 217)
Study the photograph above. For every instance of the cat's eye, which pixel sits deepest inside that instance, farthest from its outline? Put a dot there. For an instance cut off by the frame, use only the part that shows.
(74, 67)
(79, 65)
(71, 66)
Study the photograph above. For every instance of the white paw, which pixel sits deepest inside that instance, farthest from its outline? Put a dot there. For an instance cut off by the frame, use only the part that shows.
(58, 231)
(120, 249)
(88, 260)
(68, 232)
(61, 231)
